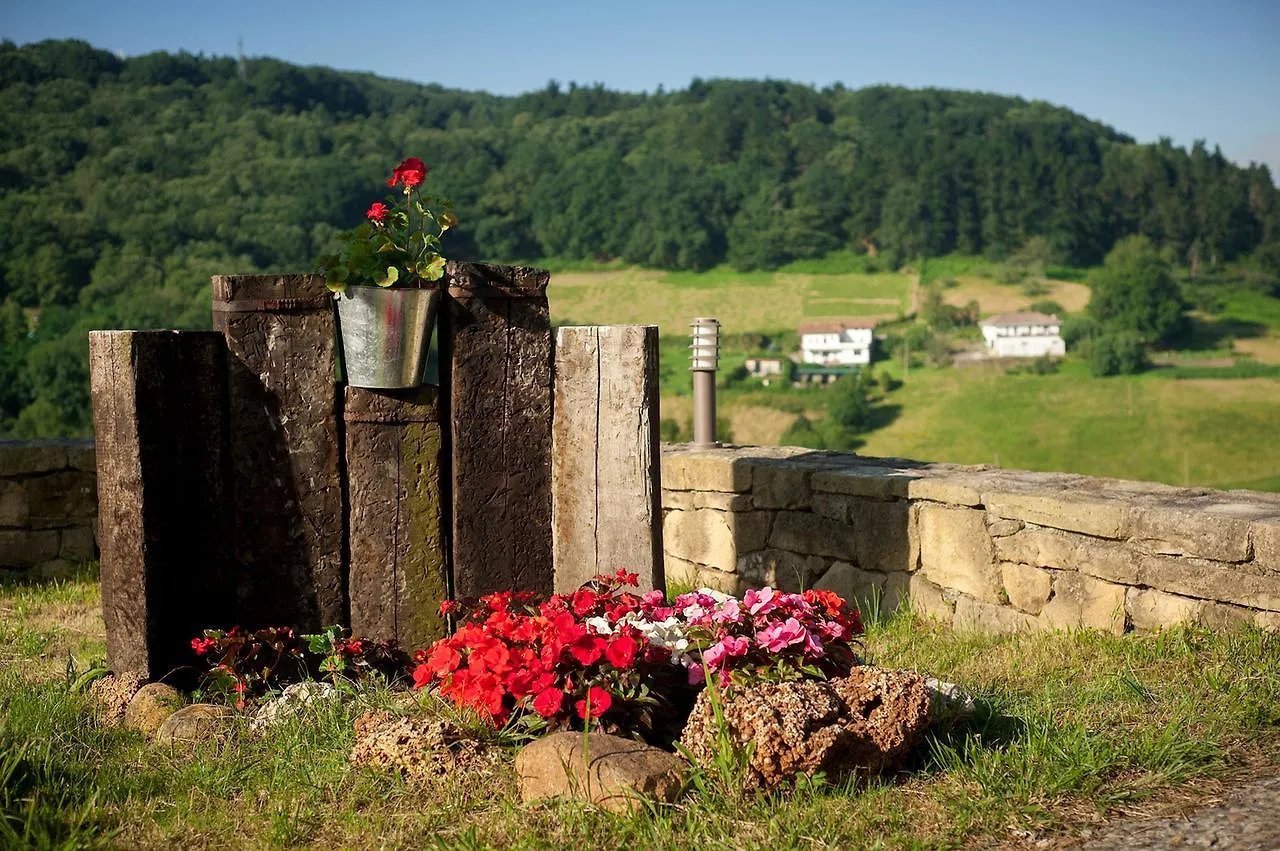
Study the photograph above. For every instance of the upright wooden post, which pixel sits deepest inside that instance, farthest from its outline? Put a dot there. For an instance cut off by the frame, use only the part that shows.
(159, 418)
(285, 448)
(496, 345)
(606, 463)
(398, 575)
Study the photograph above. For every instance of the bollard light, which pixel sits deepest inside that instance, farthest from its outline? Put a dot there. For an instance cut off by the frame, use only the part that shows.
(705, 355)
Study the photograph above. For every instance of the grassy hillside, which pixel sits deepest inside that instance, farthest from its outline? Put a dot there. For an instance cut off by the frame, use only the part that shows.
(1182, 425)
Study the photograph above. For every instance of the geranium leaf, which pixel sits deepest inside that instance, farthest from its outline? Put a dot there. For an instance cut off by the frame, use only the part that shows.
(390, 277)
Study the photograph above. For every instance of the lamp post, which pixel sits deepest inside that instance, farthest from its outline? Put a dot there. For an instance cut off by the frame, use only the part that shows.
(705, 353)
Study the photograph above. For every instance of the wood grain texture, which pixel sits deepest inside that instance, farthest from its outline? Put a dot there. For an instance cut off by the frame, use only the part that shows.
(606, 470)
(159, 411)
(397, 573)
(499, 387)
(285, 449)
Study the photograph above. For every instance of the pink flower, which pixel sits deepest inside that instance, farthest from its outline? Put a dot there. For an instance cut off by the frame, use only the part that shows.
(736, 645)
(812, 646)
(653, 598)
(715, 655)
(760, 602)
(697, 676)
(778, 636)
(729, 612)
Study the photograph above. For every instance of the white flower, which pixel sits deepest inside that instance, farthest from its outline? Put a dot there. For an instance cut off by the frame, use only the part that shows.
(599, 625)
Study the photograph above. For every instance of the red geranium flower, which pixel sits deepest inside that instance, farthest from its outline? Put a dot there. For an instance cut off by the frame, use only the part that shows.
(378, 212)
(411, 172)
(600, 701)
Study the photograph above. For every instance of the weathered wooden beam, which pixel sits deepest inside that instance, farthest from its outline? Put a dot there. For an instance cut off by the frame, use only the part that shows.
(496, 341)
(159, 418)
(606, 463)
(285, 448)
(398, 575)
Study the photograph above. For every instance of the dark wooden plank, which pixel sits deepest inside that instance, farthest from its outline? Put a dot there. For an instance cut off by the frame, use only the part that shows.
(159, 410)
(285, 449)
(398, 574)
(499, 387)
(606, 465)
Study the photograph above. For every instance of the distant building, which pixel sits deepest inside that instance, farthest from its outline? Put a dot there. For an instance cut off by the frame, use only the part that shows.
(837, 343)
(763, 367)
(1023, 335)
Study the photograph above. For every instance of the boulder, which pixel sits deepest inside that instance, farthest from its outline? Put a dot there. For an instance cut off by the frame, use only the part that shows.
(616, 773)
(418, 747)
(864, 723)
(150, 706)
(195, 723)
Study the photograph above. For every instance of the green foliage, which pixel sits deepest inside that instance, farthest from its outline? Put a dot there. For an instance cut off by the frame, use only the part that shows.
(940, 316)
(1117, 353)
(1135, 291)
(1051, 308)
(135, 179)
(850, 407)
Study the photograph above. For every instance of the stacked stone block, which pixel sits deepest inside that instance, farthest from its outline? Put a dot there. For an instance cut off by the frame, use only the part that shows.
(975, 547)
(48, 507)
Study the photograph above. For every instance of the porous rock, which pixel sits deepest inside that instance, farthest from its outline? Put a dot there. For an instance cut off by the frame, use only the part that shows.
(290, 703)
(114, 692)
(151, 706)
(419, 747)
(195, 723)
(866, 723)
(616, 773)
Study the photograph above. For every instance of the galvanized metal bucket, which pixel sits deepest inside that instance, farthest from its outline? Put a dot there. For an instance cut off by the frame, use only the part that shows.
(386, 334)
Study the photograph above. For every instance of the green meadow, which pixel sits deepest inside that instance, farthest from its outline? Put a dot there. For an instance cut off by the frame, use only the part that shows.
(1199, 421)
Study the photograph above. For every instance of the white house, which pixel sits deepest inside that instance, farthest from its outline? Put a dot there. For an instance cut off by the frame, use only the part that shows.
(845, 342)
(1023, 335)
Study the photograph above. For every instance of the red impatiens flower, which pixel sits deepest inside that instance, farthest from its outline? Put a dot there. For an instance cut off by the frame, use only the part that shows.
(548, 702)
(378, 212)
(621, 652)
(411, 172)
(600, 701)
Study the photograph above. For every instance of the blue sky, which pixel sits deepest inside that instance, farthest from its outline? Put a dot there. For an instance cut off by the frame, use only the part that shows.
(1186, 69)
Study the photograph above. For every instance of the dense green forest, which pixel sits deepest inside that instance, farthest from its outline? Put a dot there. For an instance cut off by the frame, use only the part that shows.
(125, 183)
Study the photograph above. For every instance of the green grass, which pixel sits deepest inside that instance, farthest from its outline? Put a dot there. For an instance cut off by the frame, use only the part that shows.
(1069, 728)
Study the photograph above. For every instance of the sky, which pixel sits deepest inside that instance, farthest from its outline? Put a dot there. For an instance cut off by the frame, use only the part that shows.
(1186, 69)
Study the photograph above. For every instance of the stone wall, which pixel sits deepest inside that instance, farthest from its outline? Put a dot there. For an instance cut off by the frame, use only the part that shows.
(48, 507)
(975, 547)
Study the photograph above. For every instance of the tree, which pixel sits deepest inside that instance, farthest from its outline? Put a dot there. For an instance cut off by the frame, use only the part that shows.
(1117, 353)
(850, 408)
(1135, 291)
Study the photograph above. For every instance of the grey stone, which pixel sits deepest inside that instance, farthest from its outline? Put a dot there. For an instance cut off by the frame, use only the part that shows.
(862, 589)
(928, 600)
(803, 532)
(62, 497)
(1209, 580)
(780, 569)
(1177, 531)
(956, 552)
(13, 504)
(150, 706)
(883, 535)
(26, 459)
(615, 773)
(195, 723)
(22, 548)
(977, 616)
(781, 485)
(1082, 601)
(77, 544)
(1028, 587)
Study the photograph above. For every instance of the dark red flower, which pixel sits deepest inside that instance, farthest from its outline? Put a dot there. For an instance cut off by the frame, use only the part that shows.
(202, 645)
(448, 607)
(411, 172)
(600, 701)
(588, 649)
(378, 212)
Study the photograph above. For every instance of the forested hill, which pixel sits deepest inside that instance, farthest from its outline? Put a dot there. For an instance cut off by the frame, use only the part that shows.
(125, 183)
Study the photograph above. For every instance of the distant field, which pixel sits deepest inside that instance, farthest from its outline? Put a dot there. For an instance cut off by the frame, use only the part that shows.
(752, 301)
(1205, 431)
(993, 297)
